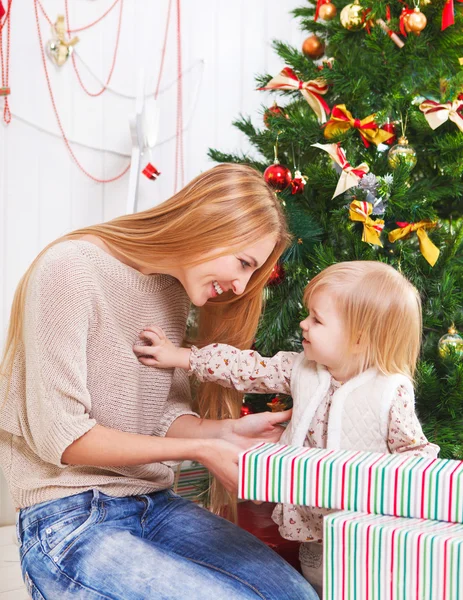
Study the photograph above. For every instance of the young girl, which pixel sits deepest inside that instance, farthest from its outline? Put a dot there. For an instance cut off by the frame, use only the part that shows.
(351, 386)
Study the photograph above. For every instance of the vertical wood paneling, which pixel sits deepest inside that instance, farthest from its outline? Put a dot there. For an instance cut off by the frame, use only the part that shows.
(43, 194)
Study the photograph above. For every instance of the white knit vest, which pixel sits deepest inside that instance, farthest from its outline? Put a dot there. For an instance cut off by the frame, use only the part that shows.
(359, 414)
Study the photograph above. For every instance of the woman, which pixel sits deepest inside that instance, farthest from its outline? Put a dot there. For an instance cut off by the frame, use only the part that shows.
(87, 433)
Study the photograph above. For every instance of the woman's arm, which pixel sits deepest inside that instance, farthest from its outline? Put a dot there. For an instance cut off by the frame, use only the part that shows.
(104, 447)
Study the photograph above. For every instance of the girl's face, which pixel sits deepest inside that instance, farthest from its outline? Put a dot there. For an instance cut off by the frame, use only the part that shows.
(324, 335)
(229, 272)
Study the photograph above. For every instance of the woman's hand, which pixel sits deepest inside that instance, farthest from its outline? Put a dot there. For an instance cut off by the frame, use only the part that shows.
(160, 352)
(253, 429)
(220, 457)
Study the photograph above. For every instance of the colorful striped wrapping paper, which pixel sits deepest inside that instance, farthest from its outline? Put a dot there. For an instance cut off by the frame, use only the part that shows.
(371, 557)
(388, 484)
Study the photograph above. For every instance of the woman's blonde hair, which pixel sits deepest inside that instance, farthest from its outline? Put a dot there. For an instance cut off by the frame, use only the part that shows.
(381, 310)
(228, 207)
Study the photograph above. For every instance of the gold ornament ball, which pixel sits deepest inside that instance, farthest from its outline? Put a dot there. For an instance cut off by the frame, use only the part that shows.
(352, 16)
(416, 21)
(402, 153)
(449, 341)
(327, 11)
(313, 47)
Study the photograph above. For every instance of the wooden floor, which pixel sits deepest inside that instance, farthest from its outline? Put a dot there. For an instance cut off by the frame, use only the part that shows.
(11, 583)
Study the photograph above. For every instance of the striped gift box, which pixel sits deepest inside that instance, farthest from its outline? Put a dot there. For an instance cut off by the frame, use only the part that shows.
(388, 484)
(191, 480)
(372, 557)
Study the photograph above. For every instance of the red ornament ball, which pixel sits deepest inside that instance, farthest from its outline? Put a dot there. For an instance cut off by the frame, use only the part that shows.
(390, 128)
(278, 176)
(246, 410)
(276, 111)
(277, 275)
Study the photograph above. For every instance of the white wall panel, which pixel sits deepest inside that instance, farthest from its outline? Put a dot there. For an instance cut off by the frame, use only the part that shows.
(42, 192)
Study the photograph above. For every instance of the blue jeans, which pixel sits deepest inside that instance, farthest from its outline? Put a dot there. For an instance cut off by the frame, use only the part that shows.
(92, 546)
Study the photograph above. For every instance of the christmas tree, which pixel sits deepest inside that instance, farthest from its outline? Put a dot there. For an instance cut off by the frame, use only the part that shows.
(368, 134)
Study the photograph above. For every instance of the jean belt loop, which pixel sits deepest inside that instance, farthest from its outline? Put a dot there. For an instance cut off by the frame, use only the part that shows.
(96, 498)
(18, 529)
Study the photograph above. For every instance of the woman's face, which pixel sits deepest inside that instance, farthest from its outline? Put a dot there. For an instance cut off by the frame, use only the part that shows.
(214, 276)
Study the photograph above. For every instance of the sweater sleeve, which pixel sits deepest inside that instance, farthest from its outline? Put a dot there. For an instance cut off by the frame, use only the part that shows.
(405, 433)
(58, 313)
(244, 370)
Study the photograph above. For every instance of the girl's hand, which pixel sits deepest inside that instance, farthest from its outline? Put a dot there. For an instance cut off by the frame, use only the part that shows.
(253, 429)
(160, 351)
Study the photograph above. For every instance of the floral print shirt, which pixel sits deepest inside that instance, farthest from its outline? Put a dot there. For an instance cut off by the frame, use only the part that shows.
(248, 371)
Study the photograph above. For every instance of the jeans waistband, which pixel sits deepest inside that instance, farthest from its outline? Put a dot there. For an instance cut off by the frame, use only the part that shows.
(37, 512)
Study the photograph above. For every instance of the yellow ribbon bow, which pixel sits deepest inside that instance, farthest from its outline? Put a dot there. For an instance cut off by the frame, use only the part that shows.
(60, 49)
(437, 114)
(342, 120)
(361, 211)
(427, 248)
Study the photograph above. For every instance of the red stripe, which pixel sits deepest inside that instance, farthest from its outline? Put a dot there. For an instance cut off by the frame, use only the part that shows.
(391, 595)
(451, 486)
(317, 482)
(343, 564)
(370, 485)
(423, 480)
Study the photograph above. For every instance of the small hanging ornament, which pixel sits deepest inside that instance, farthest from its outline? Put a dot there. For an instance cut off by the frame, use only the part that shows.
(246, 409)
(276, 405)
(276, 111)
(415, 21)
(449, 342)
(58, 48)
(352, 16)
(298, 183)
(151, 172)
(327, 11)
(277, 275)
(313, 47)
(276, 175)
(390, 128)
(402, 152)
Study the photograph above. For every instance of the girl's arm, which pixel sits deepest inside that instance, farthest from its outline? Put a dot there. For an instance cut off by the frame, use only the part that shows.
(244, 370)
(405, 432)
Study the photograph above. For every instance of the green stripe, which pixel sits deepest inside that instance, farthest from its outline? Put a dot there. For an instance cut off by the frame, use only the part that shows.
(380, 548)
(431, 566)
(356, 485)
(436, 494)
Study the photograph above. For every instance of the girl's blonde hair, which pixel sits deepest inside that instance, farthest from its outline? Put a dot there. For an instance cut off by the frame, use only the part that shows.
(228, 207)
(381, 310)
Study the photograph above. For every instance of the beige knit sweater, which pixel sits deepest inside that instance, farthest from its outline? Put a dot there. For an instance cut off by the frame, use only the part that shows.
(84, 310)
